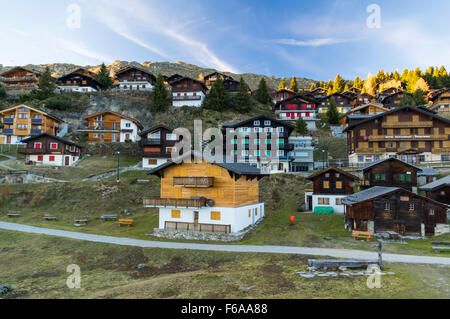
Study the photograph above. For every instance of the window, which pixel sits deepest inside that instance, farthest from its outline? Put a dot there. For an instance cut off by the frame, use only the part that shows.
(380, 177)
(256, 123)
(215, 215)
(387, 206)
(152, 162)
(339, 184)
(127, 124)
(339, 201)
(170, 149)
(411, 207)
(171, 137)
(323, 201)
(257, 129)
(38, 145)
(280, 129)
(249, 213)
(431, 212)
(268, 141)
(176, 213)
(326, 184)
(268, 129)
(53, 146)
(267, 123)
(51, 158)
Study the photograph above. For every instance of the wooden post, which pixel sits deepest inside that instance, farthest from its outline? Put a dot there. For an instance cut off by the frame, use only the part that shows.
(380, 254)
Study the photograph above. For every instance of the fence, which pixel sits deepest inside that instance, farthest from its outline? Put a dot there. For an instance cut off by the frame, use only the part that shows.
(211, 228)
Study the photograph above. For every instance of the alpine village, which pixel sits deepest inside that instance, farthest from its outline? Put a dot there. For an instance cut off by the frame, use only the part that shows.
(337, 164)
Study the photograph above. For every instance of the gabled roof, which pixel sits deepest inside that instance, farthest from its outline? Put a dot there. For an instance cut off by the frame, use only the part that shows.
(129, 67)
(34, 109)
(155, 128)
(385, 97)
(218, 73)
(117, 114)
(236, 168)
(427, 171)
(333, 169)
(21, 67)
(398, 109)
(302, 97)
(57, 138)
(335, 94)
(377, 191)
(362, 107)
(92, 74)
(187, 78)
(256, 118)
(366, 167)
(437, 184)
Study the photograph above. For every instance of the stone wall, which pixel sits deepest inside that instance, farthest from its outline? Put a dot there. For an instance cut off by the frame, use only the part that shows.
(111, 149)
(24, 179)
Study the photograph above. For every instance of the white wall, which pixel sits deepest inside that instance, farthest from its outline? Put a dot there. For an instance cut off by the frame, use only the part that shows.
(160, 161)
(196, 103)
(133, 86)
(133, 134)
(14, 139)
(237, 217)
(338, 209)
(81, 89)
(59, 160)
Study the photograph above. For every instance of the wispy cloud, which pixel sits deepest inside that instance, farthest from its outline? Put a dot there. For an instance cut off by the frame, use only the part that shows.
(81, 49)
(316, 42)
(155, 20)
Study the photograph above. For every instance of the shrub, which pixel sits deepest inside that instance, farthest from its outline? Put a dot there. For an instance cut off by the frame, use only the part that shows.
(60, 103)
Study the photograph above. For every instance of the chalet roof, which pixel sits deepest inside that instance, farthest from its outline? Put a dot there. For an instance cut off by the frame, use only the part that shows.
(187, 78)
(362, 107)
(260, 117)
(237, 168)
(427, 171)
(307, 98)
(333, 95)
(77, 69)
(129, 67)
(117, 114)
(34, 109)
(218, 73)
(57, 138)
(21, 67)
(155, 128)
(334, 169)
(434, 94)
(385, 97)
(437, 184)
(377, 191)
(366, 167)
(400, 108)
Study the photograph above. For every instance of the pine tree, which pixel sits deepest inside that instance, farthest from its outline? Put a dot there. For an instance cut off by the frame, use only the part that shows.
(396, 75)
(329, 85)
(313, 87)
(2, 92)
(294, 86)
(338, 84)
(301, 127)
(332, 113)
(103, 78)
(330, 91)
(160, 96)
(46, 85)
(346, 88)
(358, 83)
(262, 94)
(282, 84)
(242, 101)
(218, 98)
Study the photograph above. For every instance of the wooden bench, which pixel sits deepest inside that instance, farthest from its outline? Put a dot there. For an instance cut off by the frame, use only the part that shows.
(362, 234)
(13, 214)
(50, 217)
(110, 217)
(437, 246)
(128, 222)
(81, 220)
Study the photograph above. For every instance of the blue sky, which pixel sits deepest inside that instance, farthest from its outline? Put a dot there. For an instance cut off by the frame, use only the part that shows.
(313, 39)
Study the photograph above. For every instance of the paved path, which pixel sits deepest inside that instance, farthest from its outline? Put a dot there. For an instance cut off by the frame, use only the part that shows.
(103, 176)
(3, 163)
(337, 253)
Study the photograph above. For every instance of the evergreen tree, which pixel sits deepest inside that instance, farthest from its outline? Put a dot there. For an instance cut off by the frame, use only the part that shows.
(282, 84)
(313, 87)
(160, 96)
(330, 91)
(346, 88)
(262, 94)
(103, 78)
(332, 113)
(396, 75)
(218, 98)
(46, 85)
(294, 86)
(329, 85)
(301, 127)
(242, 101)
(338, 84)
(415, 99)
(358, 83)
(2, 92)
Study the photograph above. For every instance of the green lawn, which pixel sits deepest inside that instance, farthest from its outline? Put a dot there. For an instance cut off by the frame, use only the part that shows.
(87, 167)
(35, 266)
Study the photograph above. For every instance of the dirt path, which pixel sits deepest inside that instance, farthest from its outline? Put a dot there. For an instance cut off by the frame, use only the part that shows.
(330, 252)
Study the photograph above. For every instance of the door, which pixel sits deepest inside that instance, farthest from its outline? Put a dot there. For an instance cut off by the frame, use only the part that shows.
(309, 198)
(196, 224)
(67, 163)
(8, 139)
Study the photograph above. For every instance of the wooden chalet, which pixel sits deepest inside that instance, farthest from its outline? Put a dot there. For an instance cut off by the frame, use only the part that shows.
(413, 134)
(207, 195)
(135, 78)
(46, 149)
(390, 172)
(211, 78)
(231, 85)
(269, 153)
(283, 94)
(298, 106)
(330, 186)
(380, 209)
(22, 121)
(20, 78)
(361, 112)
(355, 90)
(157, 144)
(363, 99)
(79, 80)
(392, 100)
(188, 92)
(319, 92)
(343, 103)
(438, 190)
(108, 126)
(440, 101)
(172, 78)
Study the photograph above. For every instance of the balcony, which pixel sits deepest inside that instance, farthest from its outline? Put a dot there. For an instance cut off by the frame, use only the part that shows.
(35, 132)
(36, 121)
(211, 228)
(187, 98)
(23, 150)
(174, 202)
(8, 120)
(7, 131)
(407, 137)
(407, 124)
(115, 128)
(19, 79)
(150, 141)
(193, 181)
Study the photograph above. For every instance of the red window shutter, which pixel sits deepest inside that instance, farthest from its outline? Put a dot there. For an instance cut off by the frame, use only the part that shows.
(40, 158)
(307, 114)
(304, 106)
(51, 158)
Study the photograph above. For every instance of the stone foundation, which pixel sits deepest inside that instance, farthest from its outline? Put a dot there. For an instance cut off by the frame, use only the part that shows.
(441, 229)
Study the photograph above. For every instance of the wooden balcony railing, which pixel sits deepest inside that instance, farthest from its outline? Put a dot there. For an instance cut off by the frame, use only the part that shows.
(174, 202)
(415, 137)
(186, 97)
(193, 181)
(211, 228)
(406, 124)
(23, 150)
